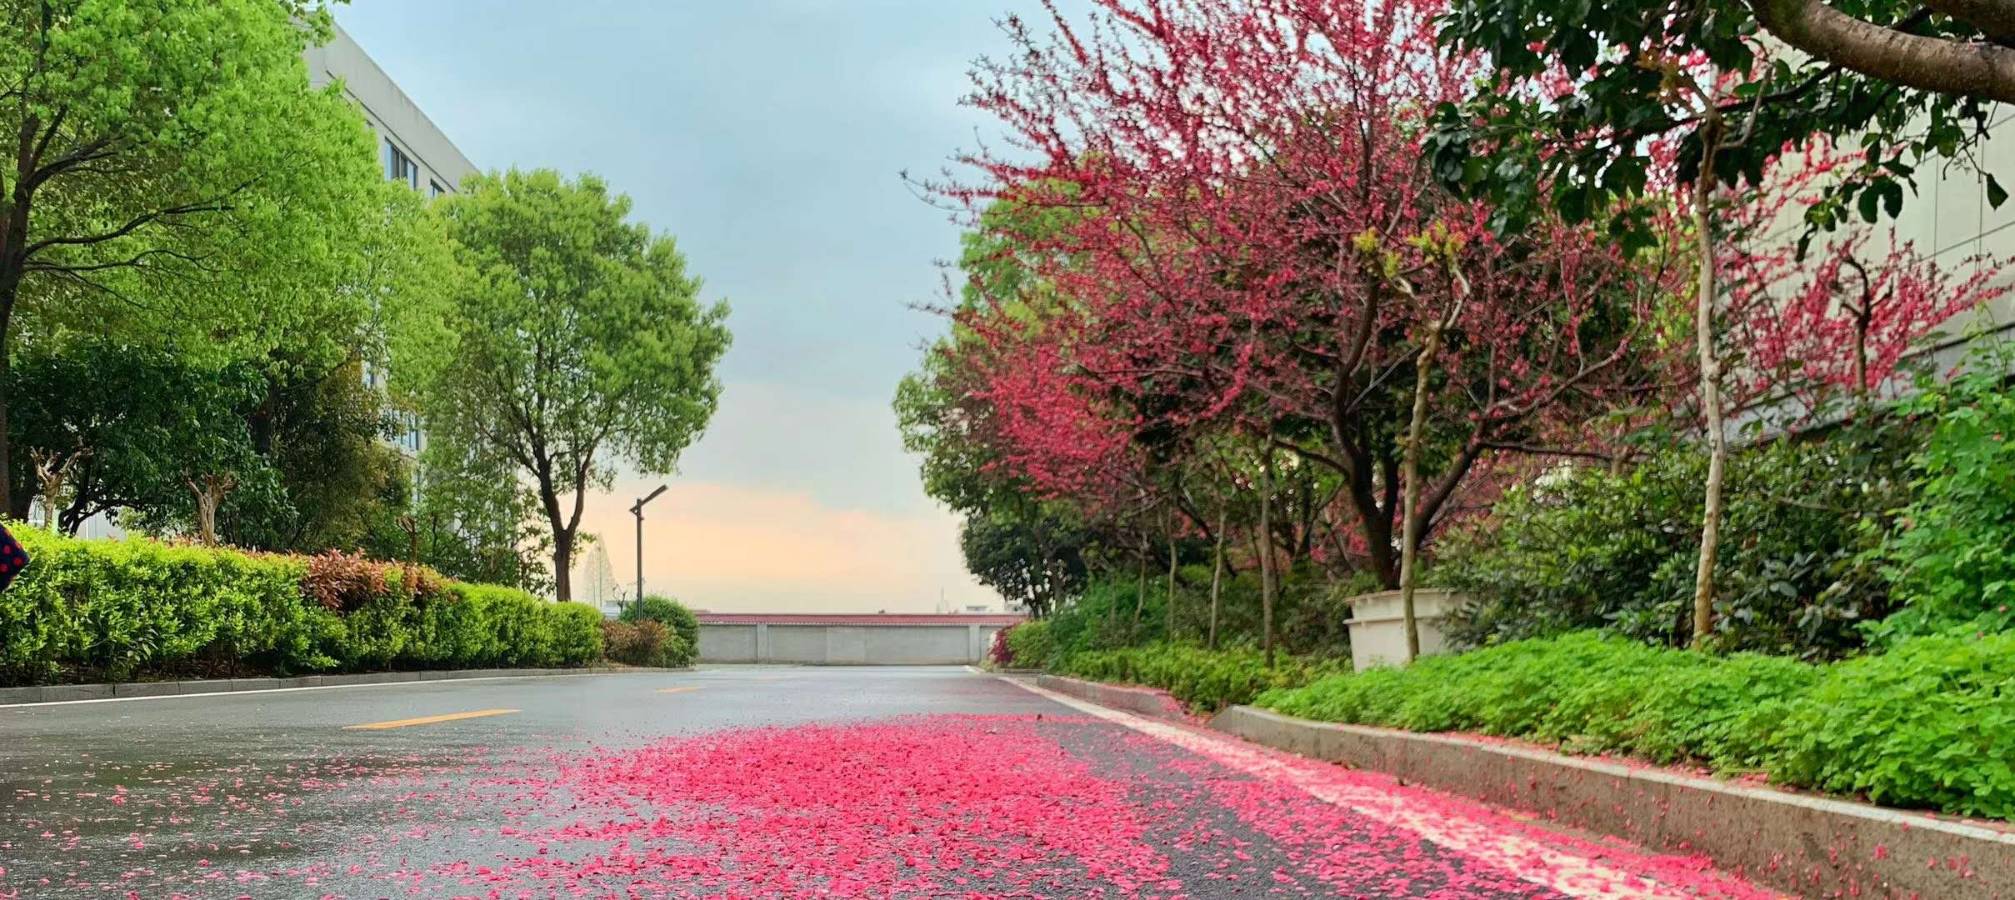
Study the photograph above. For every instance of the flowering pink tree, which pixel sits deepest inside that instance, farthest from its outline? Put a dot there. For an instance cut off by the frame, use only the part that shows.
(1259, 248)
(1841, 313)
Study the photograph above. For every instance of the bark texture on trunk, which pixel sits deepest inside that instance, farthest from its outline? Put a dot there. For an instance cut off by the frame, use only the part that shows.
(563, 565)
(1985, 71)
(1216, 579)
(1169, 633)
(1710, 391)
(1409, 547)
(1267, 574)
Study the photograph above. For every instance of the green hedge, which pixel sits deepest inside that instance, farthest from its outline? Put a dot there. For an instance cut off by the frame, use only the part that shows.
(135, 608)
(1029, 644)
(1927, 724)
(1204, 680)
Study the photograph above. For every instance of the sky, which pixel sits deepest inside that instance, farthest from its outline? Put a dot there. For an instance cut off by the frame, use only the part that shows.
(768, 137)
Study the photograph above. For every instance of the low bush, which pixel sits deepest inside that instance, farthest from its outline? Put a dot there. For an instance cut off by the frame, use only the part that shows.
(999, 654)
(682, 646)
(1925, 725)
(1204, 680)
(1024, 645)
(117, 610)
(645, 642)
(1590, 548)
(1309, 612)
(1953, 560)
(1929, 723)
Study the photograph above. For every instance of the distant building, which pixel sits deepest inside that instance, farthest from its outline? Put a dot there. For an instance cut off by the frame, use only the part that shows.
(411, 150)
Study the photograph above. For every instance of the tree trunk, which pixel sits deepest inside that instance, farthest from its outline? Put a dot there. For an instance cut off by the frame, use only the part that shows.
(563, 532)
(10, 288)
(1216, 578)
(49, 471)
(1266, 560)
(1710, 388)
(563, 564)
(209, 491)
(1140, 589)
(1168, 633)
(1409, 547)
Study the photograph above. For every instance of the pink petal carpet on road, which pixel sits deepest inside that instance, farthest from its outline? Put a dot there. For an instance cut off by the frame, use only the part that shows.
(962, 806)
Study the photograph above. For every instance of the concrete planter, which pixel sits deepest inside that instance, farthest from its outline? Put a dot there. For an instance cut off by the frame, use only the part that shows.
(1145, 701)
(1378, 625)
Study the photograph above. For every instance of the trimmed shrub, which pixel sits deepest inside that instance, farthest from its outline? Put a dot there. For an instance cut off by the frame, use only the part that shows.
(1588, 548)
(673, 615)
(1309, 612)
(1204, 680)
(1925, 725)
(1027, 645)
(645, 642)
(116, 610)
(1953, 560)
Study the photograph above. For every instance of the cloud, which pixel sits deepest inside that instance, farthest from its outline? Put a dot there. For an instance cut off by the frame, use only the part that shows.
(842, 450)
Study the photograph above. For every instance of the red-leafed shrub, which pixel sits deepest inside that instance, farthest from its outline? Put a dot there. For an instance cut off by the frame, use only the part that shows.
(342, 583)
(1001, 653)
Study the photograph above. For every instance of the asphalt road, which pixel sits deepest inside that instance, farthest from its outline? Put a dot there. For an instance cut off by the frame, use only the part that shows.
(734, 782)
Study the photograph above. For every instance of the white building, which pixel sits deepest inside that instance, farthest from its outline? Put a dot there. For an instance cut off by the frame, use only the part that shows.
(411, 149)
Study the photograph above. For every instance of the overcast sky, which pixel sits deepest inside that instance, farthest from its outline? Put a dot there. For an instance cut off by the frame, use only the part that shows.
(767, 136)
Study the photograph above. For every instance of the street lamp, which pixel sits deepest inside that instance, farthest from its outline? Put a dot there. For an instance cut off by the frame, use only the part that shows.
(638, 511)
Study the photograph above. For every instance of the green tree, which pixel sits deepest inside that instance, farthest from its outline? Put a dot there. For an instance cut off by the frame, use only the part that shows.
(323, 432)
(1708, 77)
(1911, 85)
(1033, 554)
(104, 427)
(581, 341)
(173, 174)
(467, 514)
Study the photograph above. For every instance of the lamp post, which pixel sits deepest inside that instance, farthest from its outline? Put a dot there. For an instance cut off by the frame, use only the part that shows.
(638, 511)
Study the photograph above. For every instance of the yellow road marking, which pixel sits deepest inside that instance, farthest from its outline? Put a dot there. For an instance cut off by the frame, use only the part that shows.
(676, 690)
(429, 720)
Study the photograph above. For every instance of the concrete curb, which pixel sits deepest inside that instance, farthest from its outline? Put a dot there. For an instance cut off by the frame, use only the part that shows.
(62, 693)
(1145, 701)
(1814, 846)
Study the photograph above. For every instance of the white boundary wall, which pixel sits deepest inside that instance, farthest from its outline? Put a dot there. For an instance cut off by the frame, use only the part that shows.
(822, 645)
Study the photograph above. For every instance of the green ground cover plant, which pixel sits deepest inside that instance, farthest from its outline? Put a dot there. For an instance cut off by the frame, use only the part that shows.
(1204, 680)
(1927, 724)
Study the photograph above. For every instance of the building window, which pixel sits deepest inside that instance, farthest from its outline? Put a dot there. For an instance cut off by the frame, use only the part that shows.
(400, 167)
(434, 189)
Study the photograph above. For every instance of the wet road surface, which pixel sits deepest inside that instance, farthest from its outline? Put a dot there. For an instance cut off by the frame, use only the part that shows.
(735, 782)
